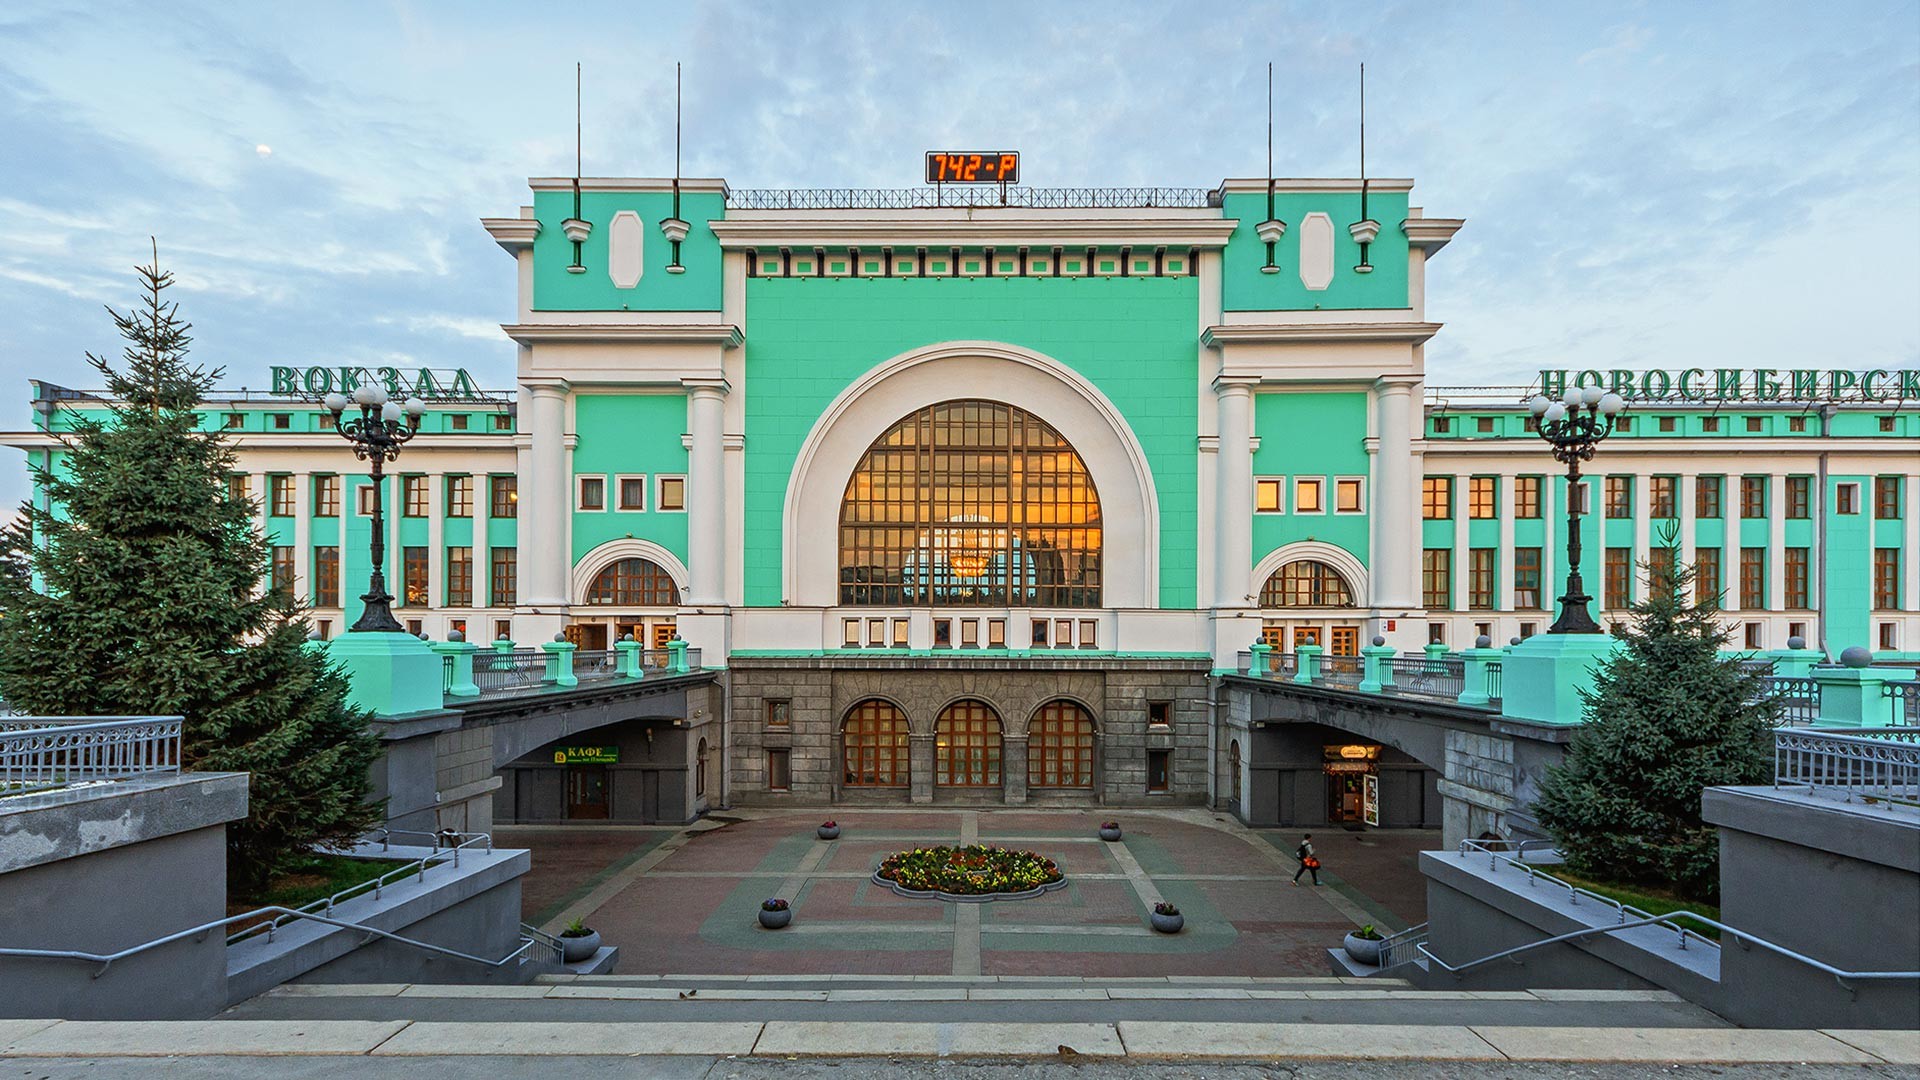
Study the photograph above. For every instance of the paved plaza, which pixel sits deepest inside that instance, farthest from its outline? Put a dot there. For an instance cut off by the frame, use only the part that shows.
(685, 900)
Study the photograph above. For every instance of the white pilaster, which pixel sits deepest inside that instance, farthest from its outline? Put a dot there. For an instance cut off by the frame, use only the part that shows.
(1463, 545)
(1642, 529)
(437, 579)
(1233, 501)
(1503, 580)
(482, 556)
(1689, 537)
(1776, 544)
(1395, 519)
(303, 536)
(546, 505)
(1910, 559)
(707, 493)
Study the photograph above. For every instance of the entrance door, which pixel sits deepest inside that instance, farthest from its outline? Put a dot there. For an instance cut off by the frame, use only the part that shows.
(1306, 635)
(586, 792)
(1344, 795)
(1345, 641)
(587, 636)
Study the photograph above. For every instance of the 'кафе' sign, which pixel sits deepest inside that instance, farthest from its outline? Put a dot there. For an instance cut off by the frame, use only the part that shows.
(428, 384)
(1741, 384)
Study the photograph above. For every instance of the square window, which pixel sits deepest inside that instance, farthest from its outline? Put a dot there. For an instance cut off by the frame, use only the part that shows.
(1346, 496)
(503, 629)
(1159, 770)
(327, 422)
(850, 633)
(457, 422)
(672, 494)
(996, 633)
(1889, 637)
(282, 421)
(1623, 424)
(1756, 423)
(1159, 713)
(633, 492)
(1886, 423)
(1266, 495)
(1797, 424)
(1442, 425)
(1667, 423)
(1484, 425)
(502, 422)
(779, 770)
(1846, 499)
(1089, 634)
(1797, 629)
(503, 496)
(1482, 495)
(1308, 496)
(779, 712)
(1436, 498)
(943, 633)
(1709, 423)
(234, 421)
(1753, 635)
(593, 493)
(1436, 633)
(1527, 630)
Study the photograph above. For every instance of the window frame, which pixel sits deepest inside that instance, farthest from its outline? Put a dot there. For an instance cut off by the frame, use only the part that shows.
(580, 483)
(660, 482)
(1533, 569)
(619, 500)
(1430, 573)
(458, 507)
(1278, 486)
(1489, 487)
(1318, 486)
(1436, 489)
(416, 496)
(1526, 497)
(497, 485)
(503, 576)
(326, 494)
(1359, 487)
(459, 582)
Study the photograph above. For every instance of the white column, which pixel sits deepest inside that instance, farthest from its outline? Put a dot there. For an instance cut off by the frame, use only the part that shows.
(302, 535)
(482, 557)
(1233, 502)
(436, 541)
(1551, 572)
(1776, 544)
(546, 501)
(1683, 513)
(1503, 581)
(1463, 545)
(1396, 492)
(1910, 557)
(1642, 530)
(707, 493)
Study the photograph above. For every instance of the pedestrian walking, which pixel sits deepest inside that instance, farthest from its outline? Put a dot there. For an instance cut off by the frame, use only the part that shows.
(1309, 862)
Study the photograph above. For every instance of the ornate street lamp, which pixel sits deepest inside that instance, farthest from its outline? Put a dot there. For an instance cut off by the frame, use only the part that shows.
(1574, 426)
(376, 435)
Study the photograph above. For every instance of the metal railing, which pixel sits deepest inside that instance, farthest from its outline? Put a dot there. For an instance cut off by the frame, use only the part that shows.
(447, 848)
(1443, 678)
(1401, 948)
(1906, 700)
(1856, 765)
(1631, 918)
(1340, 670)
(1755, 666)
(968, 195)
(595, 664)
(1494, 692)
(521, 669)
(40, 753)
(1799, 698)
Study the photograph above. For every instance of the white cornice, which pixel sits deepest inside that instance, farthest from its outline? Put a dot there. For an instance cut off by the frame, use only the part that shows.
(821, 230)
(725, 335)
(1284, 185)
(1431, 234)
(512, 233)
(1413, 333)
(627, 183)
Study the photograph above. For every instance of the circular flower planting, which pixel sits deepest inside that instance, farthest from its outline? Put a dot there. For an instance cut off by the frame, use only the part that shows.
(974, 873)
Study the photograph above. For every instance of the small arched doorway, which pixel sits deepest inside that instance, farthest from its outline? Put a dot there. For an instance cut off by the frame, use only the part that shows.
(966, 746)
(874, 744)
(1308, 602)
(1060, 746)
(640, 598)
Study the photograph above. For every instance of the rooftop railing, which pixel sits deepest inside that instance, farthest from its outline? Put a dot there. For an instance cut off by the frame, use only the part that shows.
(1867, 765)
(1799, 698)
(1906, 700)
(41, 753)
(970, 196)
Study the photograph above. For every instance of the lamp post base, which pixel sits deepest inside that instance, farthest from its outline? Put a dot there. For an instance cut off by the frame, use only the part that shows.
(1575, 616)
(1541, 678)
(389, 672)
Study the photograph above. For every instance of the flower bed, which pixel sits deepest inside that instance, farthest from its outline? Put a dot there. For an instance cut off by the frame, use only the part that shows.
(977, 872)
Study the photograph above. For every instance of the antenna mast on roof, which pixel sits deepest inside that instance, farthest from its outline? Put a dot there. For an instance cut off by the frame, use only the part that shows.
(1364, 230)
(674, 228)
(576, 228)
(1272, 229)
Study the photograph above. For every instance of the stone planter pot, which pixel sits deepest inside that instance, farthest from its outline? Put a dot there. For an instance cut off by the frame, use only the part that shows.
(1109, 835)
(774, 920)
(827, 833)
(575, 949)
(1167, 924)
(1363, 950)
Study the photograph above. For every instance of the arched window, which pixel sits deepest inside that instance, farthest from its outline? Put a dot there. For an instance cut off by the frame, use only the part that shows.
(971, 503)
(1060, 747)
(1306, 583)
(700, 769)
(874, 746)
(966, 746)
(634, 583)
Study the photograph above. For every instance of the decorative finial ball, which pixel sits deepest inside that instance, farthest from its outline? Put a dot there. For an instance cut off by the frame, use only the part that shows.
(1483, 642)
(626, 637)
(503, 637)
(455, 635)
(313, 635)
(424, 637)
(1856, 656)
(1378, 641)
(559, 637)
(1515, 640)
(1796, 642)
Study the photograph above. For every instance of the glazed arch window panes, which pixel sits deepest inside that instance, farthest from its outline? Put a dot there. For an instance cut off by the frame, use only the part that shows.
(1060, 747)
(971, 503)
(1306, 583)
(874, 746)
(634, 583)
(966, 746)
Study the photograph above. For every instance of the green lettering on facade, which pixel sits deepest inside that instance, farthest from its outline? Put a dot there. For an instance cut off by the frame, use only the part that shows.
(424, 387)
(318, 380)
(1553, 383)
(1648, 381)
(1689, 391)
(1806, 384)
(1727, 383)
(390, 377)
(1765, 386)
(1588, 378)
(349, 380)
(1867, 381)
(1622, 383)
(463, 385)
(1843, 381)
(1910, 383)
(283, 380)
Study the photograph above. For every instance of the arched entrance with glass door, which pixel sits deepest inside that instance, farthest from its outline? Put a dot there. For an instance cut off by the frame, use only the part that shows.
(1309, 602)
(626, 587)
(874, 747)
(967, 746)
(1060, 748)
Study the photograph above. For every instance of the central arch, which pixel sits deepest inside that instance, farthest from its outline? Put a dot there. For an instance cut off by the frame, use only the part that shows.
(1048, 389)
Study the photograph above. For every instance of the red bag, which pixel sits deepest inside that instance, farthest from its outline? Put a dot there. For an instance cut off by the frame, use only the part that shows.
(1310, 863)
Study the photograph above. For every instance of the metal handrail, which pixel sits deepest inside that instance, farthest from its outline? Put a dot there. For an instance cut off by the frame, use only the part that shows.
(1394, 944)
(1906, 699)
(43, 753)
(1738, 935)
(415, 869)
(1854, 761)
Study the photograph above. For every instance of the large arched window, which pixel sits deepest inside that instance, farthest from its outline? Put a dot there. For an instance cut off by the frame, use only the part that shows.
(634, 583)
(966, 746)
(1306, 583)
(971, 503)
(1060, 747)
(874, 746)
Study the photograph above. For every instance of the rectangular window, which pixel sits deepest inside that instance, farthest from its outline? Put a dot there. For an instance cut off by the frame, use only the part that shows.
(1799, 496)
(502, 422)
(413, 592)
(996, 633)
(1436, 498)
(327, 422)
(1755, 423)
(1666, 423)
(1526, 579)
(234, 421)
(459, 577)
(1706, 577)
(1480, 578)
(457, 421)
(1436, 633)
(367, 494)
(326, 576)
(282, 577)
(1886, 579)
(1889, 637)
(505, 577)
(1886, 497)
(1753, 578)
(1706, 497)
(1436, 577)
(413, 494)
(1754, 636)
(503, 498)
(1581, 496)
(1089, 634)
(1623, 424)
(779, 712)
(237, 486)
(1753, 496)
(779, 770)
(877, 633)
(1526, 496)
(672, 494)
(503, 629)
(1797, 424)
(899, 633)
(1063, 633)
(1159, 770)
(1797, 630)
(1617, 592)
(850, 633)
(281, 494)
(1483, 493)
(460, 496)
(943, 633)
(282, 421)
(1619, 496)
(1346, 496)
(1846, 499)
(1159, 713)
(1661, 494)
(1660, 569)
(1442, 425)
(1308, 496)
(591, 492)
(324, 627)
(1039, 638)
(1710, 423)
(326, 496)
(1886, 424)
(1266, 495)
(1796, 583)
(633, 492)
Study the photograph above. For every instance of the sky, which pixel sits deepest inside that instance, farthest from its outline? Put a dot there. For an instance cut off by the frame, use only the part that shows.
(1645, 184)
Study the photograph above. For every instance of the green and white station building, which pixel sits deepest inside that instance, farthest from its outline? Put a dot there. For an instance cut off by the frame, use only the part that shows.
(974, 502)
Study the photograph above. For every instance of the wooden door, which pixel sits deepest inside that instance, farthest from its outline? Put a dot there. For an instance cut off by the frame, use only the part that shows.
(586, 792)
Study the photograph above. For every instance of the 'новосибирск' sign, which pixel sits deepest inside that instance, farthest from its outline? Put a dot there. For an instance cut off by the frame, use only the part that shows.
(427, 384)
(1741, 384)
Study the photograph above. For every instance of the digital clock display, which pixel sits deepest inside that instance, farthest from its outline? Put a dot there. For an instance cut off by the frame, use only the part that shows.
(973, 167)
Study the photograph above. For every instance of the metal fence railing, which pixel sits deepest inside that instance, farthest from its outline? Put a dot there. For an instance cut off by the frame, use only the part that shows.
(959, 195)
(590, 664)
(1403, 947)
(1340, 670)
(1906, 701)
(1757, 667)
(1855, 765)
(1441, 678)
(1494, 693)
(40, 753)
(505, 672)
(1799, 698)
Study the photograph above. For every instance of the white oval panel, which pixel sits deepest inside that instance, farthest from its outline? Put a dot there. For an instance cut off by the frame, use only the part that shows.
(626, 249)
(1316, 251)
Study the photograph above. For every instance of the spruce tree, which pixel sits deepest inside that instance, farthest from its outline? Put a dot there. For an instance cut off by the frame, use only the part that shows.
(141, 590)
(1667, 718)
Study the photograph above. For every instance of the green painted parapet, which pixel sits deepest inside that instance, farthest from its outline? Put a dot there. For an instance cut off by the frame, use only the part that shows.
(1475, 662)
(391, 672)
(560, 662)
(626, 658)
(503, 654)
(460, 652)
(1435, 650)
(1258, 667)
(1854, 694)
(1796, 660)
(1309, 663)
(1541, 678)
(677, 656)
(1376, 675)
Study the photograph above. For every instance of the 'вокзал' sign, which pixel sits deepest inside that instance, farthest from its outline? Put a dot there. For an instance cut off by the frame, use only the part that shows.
(1741, 384)
(425, 383)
